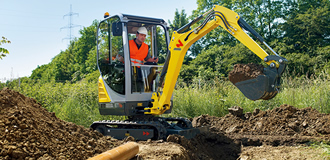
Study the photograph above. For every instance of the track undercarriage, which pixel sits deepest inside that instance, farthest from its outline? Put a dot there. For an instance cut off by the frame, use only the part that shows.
(144, 128)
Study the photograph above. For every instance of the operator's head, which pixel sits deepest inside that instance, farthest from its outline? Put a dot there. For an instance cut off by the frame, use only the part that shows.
(141, 34)
(142, 30)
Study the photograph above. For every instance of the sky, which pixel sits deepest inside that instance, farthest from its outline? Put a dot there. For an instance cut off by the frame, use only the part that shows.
(38, 29)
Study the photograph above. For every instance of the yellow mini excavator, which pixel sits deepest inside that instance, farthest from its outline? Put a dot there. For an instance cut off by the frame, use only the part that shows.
(143, 92)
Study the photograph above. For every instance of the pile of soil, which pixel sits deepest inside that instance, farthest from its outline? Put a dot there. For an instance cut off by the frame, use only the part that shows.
(242, 72)
(285, 125)
(30, 131)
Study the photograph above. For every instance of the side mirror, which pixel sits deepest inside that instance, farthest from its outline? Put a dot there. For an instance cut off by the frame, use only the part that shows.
(117, 29)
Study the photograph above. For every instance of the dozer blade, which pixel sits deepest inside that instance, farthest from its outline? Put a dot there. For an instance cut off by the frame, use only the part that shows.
(266, 85)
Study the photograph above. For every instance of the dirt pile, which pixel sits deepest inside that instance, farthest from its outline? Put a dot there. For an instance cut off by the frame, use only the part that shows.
(282, 126)
(285, 125)
(242, 72)
(30, 131)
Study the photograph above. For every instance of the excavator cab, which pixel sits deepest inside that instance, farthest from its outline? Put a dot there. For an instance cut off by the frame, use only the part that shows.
(125, 88)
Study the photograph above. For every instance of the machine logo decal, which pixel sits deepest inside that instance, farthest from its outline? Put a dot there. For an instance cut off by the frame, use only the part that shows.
(179, 44)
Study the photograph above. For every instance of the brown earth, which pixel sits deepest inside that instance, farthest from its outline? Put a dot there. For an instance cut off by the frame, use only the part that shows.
(285, 125)
(242, 72)
(282, 153)
(28, 131)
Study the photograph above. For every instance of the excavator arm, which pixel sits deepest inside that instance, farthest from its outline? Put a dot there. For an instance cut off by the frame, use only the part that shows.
(264, 87)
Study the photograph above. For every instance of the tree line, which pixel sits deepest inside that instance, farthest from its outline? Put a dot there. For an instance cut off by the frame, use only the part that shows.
(298, 30)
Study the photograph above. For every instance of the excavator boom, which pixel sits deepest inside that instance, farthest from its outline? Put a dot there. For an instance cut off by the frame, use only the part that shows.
(263, 87)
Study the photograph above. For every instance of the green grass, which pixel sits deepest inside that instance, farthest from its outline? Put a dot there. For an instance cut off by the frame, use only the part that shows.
(305, 92)
(324, 146)
(194, 100)
(215, 97)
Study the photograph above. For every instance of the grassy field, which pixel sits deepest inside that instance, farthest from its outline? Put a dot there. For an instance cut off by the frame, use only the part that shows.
(214, 98)
(77, 102)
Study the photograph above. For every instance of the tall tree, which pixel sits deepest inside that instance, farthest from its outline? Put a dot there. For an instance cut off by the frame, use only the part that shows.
(307, 36)
(263, 16)
(3, 51)
(308, 28)
(216, 37)
(71, 63)
(83, 45)
(180, 19)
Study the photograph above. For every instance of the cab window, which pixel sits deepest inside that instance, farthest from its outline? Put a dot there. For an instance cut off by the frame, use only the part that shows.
(110, 52)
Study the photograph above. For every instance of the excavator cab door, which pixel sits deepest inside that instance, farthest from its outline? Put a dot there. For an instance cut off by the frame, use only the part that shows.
(110, 45)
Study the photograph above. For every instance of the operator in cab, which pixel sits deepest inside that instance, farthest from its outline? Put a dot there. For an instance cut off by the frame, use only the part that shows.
(139, 54)
(139, 51)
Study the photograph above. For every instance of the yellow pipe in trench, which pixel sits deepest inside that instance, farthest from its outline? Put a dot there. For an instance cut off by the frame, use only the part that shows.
(123, 152)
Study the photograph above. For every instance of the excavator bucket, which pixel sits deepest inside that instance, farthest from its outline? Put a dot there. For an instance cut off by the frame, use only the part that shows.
(264, 86)
(261, 87)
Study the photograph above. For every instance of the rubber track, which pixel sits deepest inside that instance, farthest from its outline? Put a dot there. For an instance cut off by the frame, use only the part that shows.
(160, 129)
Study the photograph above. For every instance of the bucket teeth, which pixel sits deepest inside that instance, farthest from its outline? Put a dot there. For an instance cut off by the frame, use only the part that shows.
(269, 95)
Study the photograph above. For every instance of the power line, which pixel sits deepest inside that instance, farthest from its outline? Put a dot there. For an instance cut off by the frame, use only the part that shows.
(70, 25)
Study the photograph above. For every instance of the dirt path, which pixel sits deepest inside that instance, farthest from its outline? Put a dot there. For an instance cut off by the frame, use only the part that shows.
(282, 153)
(28, 131)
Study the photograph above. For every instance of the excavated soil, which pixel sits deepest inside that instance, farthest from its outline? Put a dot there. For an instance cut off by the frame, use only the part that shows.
(28, 131)
(242, 72)
(285, 125)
